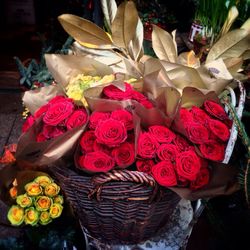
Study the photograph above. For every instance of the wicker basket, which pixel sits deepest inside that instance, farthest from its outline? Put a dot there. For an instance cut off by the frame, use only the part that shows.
(120, 206)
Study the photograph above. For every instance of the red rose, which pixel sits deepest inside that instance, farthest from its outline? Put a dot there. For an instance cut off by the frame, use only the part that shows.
(145, 165)
(147, 104)
(201, 180)
(47, 131)
(185, 115)
(112, 92)
(167, 152)
(147, 145)
(41, 111)
(58, 112)
(28, 123)
(215, 109)
(213, 151)
(124, 155)
(111, 133)
(188, 165)
(40, 137)
(219, 129)
(96, 117)
(143, 100)
(87, 141)
(123, 116)
(59, 98)
(197, 133)
(96, 162)
(131, 138)
(78, 118)
(101, 147)
(57, 132)
(181, 143)
(162, 134)
(199, 116)
(164, 174)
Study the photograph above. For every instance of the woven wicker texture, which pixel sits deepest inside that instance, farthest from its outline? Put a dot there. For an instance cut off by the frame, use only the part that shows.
(120, 206)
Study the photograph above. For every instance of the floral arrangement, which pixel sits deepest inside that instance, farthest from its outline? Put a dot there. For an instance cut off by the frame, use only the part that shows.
(40, 204)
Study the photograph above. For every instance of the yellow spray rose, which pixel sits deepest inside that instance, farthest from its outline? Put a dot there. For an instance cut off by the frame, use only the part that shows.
(45, 218)
(24, 200)
(31, 216)
(33, 189)
(52, 190)
(43, 180)
(43, 203)
(16, 215)
(58, 199)
(55, 210)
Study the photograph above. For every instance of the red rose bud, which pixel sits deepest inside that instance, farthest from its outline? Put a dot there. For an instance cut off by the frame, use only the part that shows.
(213, 151)
(164, 174)
(201, 180)
(181, 143)
(219, 129)
(215, 109)
(111, 133)
(124, 154)
(197, 133)
(124, 116)
(58, 112)
(199, 116)
(28, 123)
(188, 165)
(167, 152)
(41, 111)
(96, 117)
(78, 118)
(147, 145)
(162, 134)
(114, 93)
(87, 141)
(145, 165)
(97, 162)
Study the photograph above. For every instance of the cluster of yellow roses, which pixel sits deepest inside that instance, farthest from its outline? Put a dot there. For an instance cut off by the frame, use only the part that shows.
(40, 204)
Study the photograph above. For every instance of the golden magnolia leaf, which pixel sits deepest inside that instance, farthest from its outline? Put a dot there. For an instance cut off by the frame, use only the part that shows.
(172, 96)
(109, 9)
(132, 68)
(233, 44)
(85, 32)
(233, 64)
(246, 55)
(136, 44)
(232, 15)
(124, 25)
(246, 25)
(189, 59)
(174, 39)
(163, 45)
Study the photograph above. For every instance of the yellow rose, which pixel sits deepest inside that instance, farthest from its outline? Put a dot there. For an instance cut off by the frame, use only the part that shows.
(33, 189)
(58, 199)
(52, 190)
(45, 218)
(24, 200)
(55, 210)
(31, 216)
(43, 180)
(43, 203)
(16, 215)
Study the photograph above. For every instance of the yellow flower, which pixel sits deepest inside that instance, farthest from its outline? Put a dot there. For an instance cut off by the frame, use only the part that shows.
(24, 200)
(45, 218)
(43, 203)
(16, 215)
(31, 216)
(55, 210)
(43, 180)
(33, 189)
(13, 192)
(58, 199)
(52, 190)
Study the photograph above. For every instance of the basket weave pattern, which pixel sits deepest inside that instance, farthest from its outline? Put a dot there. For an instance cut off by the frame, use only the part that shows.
(120, 206)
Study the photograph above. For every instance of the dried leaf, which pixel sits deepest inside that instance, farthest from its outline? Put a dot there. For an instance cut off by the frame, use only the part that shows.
(85, 31)
(109, 9)
(135, 46)
(232, 15)
(163, 45)
(124, 25)
(233, 44)
(233, 64)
